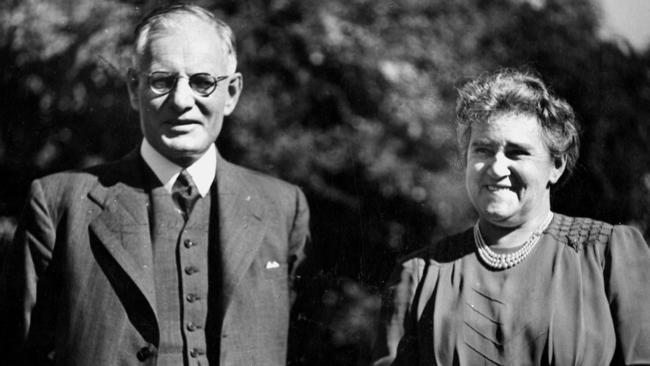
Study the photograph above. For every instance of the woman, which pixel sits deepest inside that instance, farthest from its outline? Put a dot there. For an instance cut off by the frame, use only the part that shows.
(524, 285)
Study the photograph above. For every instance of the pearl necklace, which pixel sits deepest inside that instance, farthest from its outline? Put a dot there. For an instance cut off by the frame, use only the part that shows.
(509, 260)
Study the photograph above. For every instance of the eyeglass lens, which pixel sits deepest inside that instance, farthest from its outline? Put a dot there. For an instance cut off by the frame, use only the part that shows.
(163, 82)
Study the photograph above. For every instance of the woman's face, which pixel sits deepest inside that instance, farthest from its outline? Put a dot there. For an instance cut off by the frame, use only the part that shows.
(510, 170)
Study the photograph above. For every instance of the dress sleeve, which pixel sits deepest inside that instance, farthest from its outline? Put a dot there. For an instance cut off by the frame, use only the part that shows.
(627, 272)
(397, 320)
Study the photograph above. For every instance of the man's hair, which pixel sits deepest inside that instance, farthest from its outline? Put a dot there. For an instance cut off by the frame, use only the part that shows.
(177, 15)
(513, 91)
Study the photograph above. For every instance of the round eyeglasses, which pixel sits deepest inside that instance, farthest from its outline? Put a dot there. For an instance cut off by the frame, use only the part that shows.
(203, 84)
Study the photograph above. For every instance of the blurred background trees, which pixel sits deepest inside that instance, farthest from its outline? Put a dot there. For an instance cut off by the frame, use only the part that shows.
(351, 99)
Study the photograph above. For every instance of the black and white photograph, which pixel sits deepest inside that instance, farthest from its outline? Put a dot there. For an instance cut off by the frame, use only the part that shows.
(324, 183)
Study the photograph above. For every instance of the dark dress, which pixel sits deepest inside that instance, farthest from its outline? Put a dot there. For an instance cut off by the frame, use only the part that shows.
(581, 297)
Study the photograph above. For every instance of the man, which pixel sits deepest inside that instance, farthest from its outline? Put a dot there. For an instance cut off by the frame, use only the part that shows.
(172, 255)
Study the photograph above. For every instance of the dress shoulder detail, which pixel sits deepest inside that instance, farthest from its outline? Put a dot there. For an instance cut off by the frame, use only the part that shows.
(578, 232)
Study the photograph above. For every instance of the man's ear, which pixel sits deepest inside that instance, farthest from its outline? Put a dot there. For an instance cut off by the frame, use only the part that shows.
(132, 83)
(559, 165)
(235, 85)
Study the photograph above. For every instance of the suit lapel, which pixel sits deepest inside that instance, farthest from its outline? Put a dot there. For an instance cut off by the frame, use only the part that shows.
(122, 226)
(241, 225)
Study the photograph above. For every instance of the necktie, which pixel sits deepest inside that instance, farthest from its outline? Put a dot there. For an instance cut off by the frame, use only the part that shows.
(185, 193)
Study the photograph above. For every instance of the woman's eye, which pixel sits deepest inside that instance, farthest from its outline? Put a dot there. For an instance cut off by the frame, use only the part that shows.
(517, 153)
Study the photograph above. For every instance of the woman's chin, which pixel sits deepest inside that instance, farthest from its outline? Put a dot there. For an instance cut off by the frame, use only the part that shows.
(498, 218)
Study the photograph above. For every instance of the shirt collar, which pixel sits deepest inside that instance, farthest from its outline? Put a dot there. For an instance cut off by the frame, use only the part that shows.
(202, 171)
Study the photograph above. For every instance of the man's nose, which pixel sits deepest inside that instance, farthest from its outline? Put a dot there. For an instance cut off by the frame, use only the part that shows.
(499, 167)
(181, 96)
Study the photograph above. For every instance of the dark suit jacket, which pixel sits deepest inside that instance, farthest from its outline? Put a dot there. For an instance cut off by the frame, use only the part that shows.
(78, 288)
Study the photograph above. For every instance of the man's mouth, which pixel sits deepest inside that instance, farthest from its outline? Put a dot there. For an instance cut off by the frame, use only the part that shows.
(180, 122)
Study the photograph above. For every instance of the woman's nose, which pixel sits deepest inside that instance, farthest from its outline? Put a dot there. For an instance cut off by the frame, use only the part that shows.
(499, 167)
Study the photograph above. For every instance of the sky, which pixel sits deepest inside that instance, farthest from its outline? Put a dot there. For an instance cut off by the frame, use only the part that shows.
(629, 19)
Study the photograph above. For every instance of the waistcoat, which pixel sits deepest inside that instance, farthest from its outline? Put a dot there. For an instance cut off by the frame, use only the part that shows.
(181, 276)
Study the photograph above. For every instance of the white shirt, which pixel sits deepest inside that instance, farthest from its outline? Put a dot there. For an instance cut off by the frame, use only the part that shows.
(202, 171)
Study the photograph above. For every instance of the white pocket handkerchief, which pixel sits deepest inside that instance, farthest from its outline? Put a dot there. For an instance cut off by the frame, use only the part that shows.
(272, 264)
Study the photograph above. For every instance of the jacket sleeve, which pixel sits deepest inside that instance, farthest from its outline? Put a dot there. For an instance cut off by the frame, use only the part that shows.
(627, 272)
(299, 239)
(26, 268)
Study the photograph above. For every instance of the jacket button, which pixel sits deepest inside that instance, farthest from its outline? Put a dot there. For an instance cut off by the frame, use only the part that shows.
(188, 243)
(144, 353)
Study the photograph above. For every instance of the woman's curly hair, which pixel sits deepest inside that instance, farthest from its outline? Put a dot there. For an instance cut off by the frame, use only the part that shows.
(513, 91)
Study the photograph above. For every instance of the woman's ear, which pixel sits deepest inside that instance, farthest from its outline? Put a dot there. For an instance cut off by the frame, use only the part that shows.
(132, 83)
(559, 165)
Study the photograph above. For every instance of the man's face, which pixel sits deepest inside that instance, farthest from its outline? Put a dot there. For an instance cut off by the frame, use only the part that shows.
(181, 125)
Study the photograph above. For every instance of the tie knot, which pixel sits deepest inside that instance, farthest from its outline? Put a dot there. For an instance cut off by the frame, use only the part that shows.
(185, 193)
(184, 182)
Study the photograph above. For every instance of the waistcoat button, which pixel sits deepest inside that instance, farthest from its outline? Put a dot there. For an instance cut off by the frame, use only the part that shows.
(190, 270)
(192, 297)
(188, 243)
(195, 352)
(192, 327)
